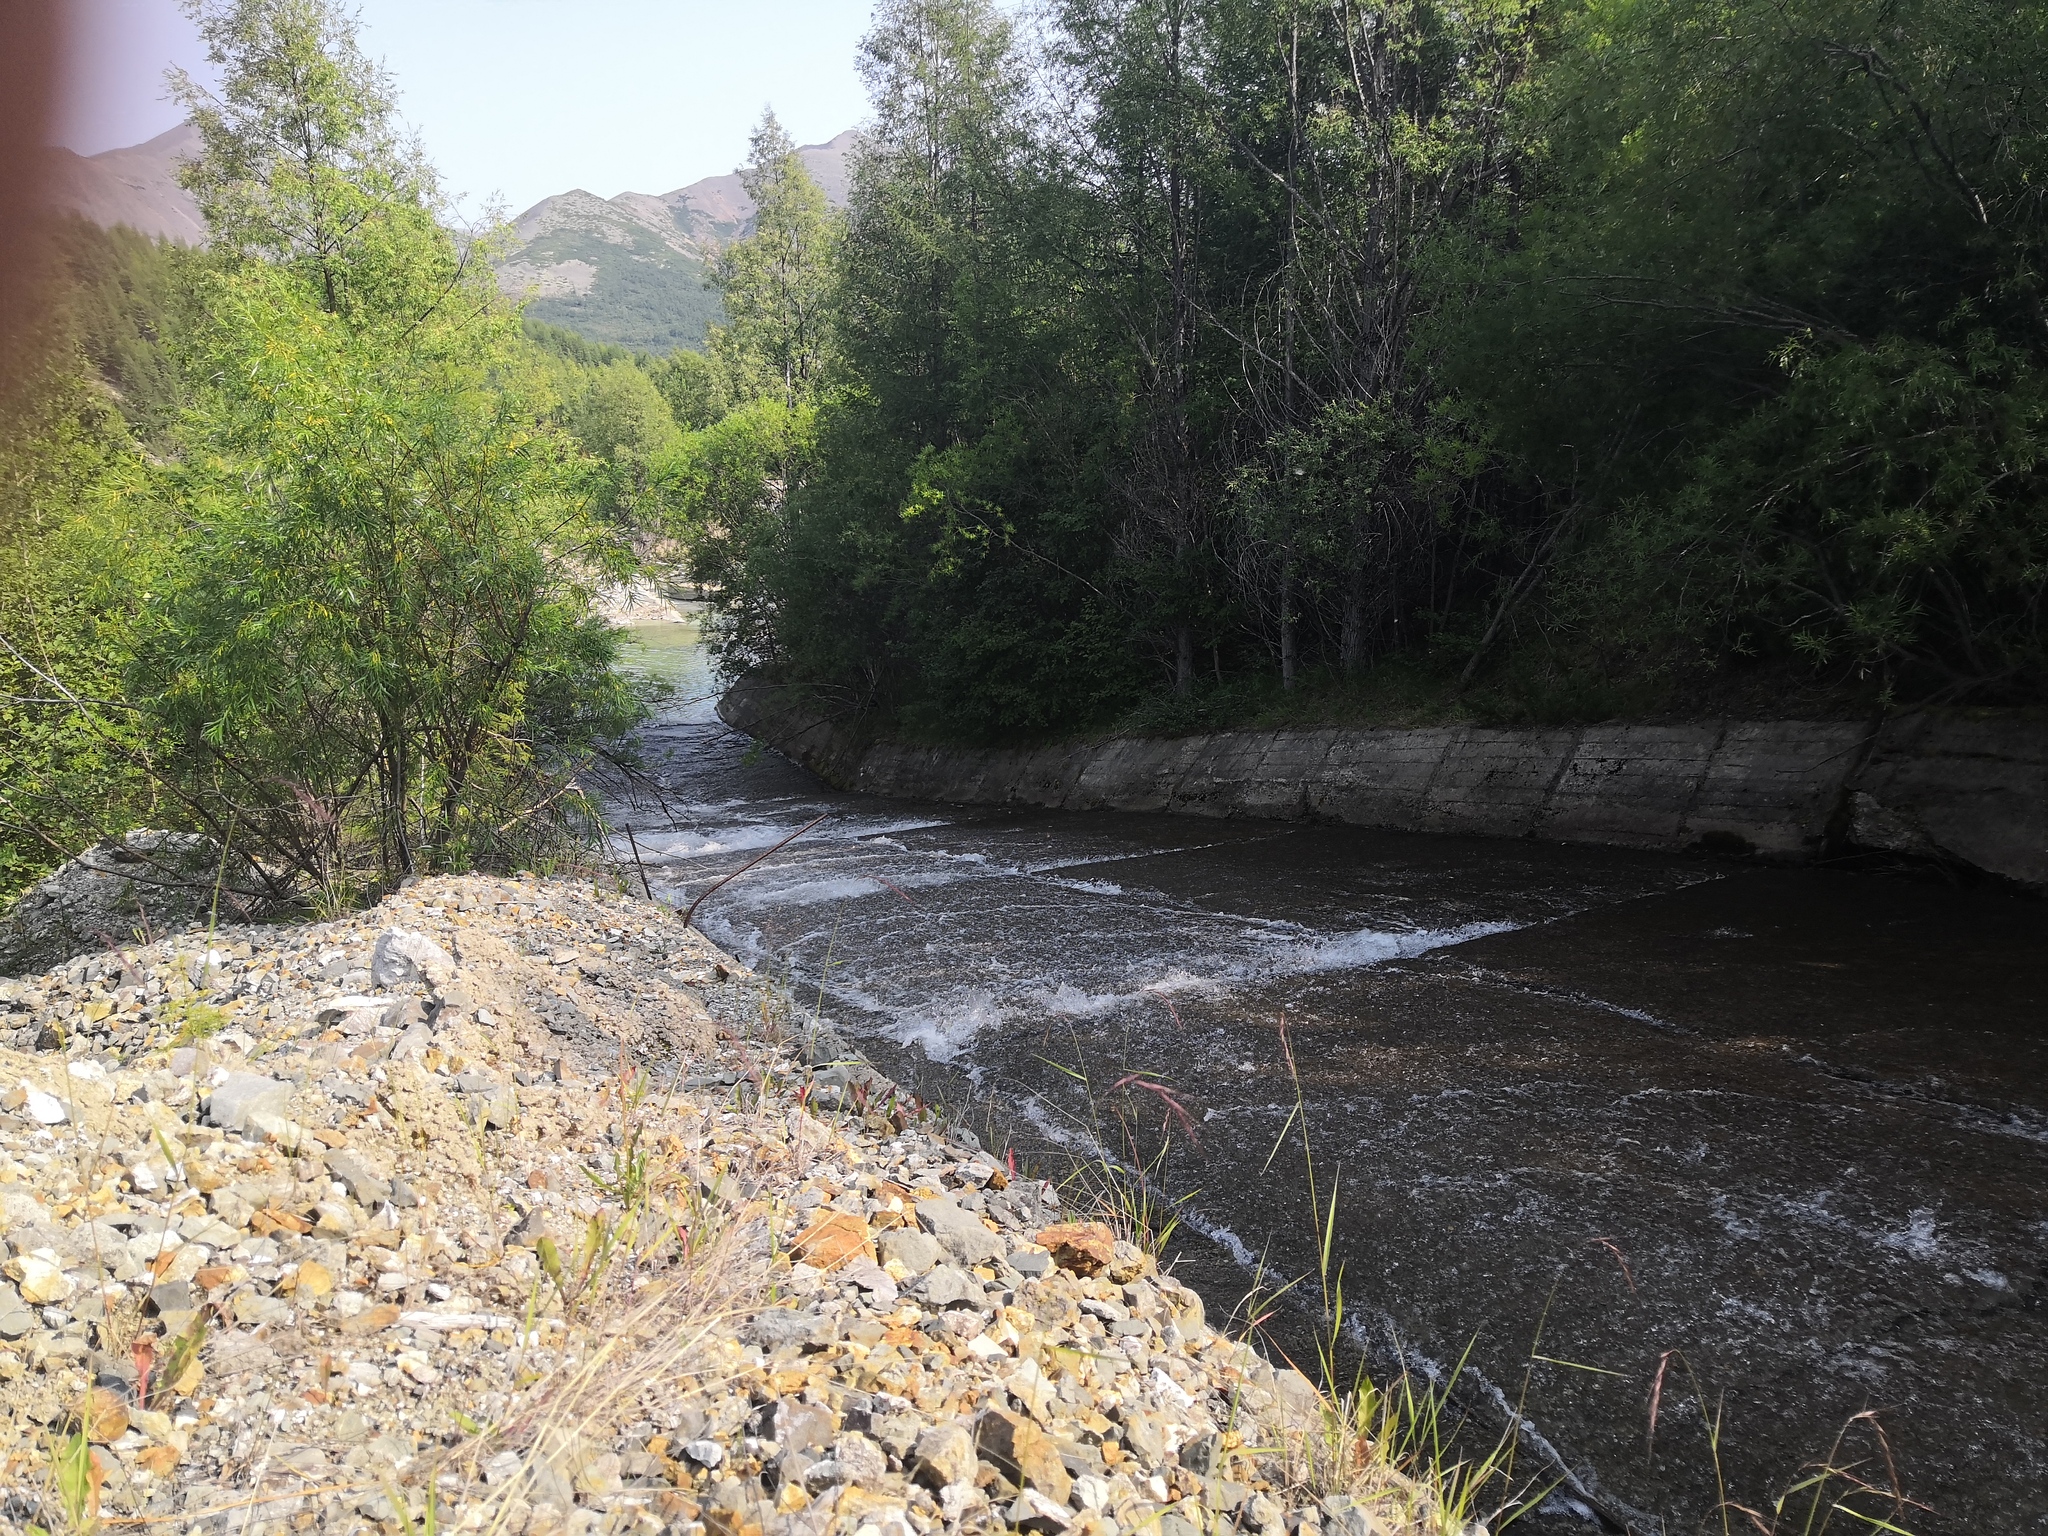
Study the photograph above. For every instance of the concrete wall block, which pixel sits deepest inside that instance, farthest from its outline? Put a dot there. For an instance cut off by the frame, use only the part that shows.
(1630, 784)
(1970, 787)
(889, 770)
(823, 746)
(1045, 776)
(1216, 787)
(1123, 774)
(1773, 786)
(1495, 783)
(1379, 778)
(1975, 787)
(1001, 771)
(1292, 764)
(966, 777)
(1147, 779)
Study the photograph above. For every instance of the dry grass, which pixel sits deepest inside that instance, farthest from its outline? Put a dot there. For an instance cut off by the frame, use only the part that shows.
(657, 1350)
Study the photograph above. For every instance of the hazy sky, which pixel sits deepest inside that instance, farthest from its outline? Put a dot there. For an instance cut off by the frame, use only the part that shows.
(523, 98)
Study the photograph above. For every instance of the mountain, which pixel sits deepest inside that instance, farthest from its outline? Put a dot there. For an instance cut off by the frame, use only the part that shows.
(630, 269)
(136, 186)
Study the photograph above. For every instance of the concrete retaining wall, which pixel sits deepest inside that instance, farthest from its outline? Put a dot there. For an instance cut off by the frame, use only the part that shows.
(1970, 790)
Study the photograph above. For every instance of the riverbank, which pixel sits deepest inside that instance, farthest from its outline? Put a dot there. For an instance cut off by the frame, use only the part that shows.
(1966, 790)
(512, 1205)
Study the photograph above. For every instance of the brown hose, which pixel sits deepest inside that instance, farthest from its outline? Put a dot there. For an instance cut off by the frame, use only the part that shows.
(690, 917)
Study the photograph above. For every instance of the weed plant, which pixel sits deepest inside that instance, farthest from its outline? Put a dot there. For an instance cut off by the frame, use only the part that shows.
(1406, 1447)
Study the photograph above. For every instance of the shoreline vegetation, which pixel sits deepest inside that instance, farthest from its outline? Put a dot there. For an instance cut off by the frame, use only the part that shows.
(1205, 364)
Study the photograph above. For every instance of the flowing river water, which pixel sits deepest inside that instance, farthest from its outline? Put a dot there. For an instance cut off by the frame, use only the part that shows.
(1579, 1108)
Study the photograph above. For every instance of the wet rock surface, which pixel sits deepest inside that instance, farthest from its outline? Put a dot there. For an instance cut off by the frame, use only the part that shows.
(303, 1238)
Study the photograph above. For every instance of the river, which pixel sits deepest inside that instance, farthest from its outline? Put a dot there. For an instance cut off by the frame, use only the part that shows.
(1586, 1113)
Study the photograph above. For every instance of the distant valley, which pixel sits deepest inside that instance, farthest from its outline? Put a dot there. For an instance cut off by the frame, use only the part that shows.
(627, 270)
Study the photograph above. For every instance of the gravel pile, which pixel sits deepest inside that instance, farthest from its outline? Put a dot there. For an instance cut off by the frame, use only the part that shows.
(506, 1206)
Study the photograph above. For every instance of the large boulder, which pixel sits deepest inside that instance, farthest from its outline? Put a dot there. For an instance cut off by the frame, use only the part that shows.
(113, 894)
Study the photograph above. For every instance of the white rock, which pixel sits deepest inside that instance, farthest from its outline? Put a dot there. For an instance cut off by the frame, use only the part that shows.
(418, 1368)
(958, 1500)
(240, 1096)
(454, 1322)
(44, 1108)
(288, 1134)
(186, 1263)
(1029, 1387)
(859, 1459)
(820, 1475)
(1169, 1390)
(403, 957)
(20, 1208)
(1035, 1509)
(145, 1246)
(41, 1277)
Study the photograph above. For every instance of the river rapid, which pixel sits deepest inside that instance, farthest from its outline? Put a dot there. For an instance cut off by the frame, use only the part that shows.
(1764, 1144)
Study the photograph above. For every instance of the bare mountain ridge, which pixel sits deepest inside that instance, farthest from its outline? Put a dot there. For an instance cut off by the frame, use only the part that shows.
(716, 202)
(136, 186)
(628, 269)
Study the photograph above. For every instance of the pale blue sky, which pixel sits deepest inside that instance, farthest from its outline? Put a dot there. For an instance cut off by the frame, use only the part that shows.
(524, 98)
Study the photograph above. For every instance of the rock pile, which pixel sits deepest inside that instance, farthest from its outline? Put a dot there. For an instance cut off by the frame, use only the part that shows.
(506, 1206)
(142, 883)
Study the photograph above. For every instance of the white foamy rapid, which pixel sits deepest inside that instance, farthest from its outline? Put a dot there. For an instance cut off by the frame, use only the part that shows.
(944, 1027)
(947, 1026)
(1373, 946)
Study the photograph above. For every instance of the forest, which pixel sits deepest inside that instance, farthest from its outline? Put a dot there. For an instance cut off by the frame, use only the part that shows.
(1190, 362)
(1175, 364)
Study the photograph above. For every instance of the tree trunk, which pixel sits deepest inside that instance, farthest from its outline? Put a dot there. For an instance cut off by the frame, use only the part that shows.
(1351, 646)
(1183, 661)
(1287, 645)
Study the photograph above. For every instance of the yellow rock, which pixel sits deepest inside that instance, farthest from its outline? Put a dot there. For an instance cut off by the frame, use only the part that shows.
(184, 1263)
(205, 1175)
(42, 1279)
(835, 1240)
(313, 1280)
(105, 1416)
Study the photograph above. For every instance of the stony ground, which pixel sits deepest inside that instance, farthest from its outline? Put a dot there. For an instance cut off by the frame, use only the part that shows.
(514, 1206)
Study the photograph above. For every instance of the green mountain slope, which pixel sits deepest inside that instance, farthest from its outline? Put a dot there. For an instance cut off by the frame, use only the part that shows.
(630, 270)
